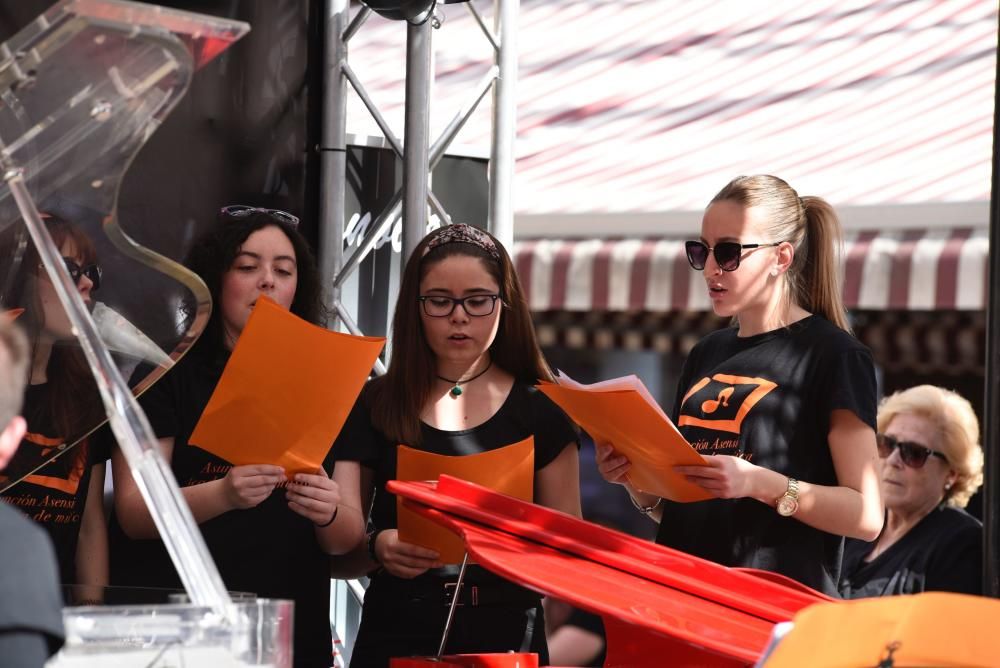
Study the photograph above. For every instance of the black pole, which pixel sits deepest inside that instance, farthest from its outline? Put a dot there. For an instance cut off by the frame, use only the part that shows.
(991, 409)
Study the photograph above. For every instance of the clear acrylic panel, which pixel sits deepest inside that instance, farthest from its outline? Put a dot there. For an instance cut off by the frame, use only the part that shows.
(81, 89)
(158, 636)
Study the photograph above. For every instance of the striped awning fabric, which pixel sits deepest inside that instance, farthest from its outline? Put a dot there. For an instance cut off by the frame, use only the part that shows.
(897, 270)
(632, 106)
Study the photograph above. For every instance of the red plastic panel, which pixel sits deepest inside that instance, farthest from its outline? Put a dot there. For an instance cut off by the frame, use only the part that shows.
(770, 598)
(509, 660)
(701, 623)
(632, 647)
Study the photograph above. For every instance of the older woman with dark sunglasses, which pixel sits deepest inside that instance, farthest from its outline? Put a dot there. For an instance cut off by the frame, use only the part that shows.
(931, 465)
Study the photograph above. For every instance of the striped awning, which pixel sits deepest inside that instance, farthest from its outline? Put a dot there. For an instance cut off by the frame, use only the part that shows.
(628, 107)
(897, 270)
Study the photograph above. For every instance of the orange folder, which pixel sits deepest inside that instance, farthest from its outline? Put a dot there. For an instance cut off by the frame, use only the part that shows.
(929, 629)
(622, 412)
(285, 392)
(509, 470)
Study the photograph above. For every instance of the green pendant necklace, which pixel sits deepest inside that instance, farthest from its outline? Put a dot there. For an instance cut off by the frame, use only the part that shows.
(456, 391)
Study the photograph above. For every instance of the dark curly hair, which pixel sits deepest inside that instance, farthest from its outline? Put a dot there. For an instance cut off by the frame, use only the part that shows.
(213, 255)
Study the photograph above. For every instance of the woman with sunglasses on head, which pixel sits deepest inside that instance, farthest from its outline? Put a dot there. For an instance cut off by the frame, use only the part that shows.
(62, 406)
(266, 537)
(460, 382)
(931, 466)
(782, 403)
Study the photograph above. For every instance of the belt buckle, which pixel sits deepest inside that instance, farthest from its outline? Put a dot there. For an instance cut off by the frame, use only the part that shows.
(452, 590)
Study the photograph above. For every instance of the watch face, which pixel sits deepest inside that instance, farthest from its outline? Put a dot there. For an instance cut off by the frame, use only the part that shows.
(787, 506)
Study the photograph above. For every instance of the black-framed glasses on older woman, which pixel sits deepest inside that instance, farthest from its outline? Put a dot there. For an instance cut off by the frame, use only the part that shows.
(244, 210)
(727, 253)
(441, 306)
(914, 455)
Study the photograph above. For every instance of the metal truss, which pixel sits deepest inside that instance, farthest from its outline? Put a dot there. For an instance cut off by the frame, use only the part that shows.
(418, 154)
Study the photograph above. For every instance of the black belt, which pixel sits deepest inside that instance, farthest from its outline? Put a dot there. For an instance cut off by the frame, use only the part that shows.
(471, 594)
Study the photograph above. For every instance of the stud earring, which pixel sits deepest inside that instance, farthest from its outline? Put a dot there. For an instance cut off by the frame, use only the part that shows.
(774, 271)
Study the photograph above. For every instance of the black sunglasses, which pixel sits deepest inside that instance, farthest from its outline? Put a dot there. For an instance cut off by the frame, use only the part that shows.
(727, 253)
(244, 210)
(913, 455)
(91, 271)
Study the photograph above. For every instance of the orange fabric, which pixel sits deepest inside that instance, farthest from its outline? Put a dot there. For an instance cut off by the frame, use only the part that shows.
(285, 392)
(929, 629)
(621, 412)
(509, 470)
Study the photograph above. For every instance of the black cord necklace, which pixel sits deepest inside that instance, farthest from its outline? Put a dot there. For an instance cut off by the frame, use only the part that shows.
(457, 389)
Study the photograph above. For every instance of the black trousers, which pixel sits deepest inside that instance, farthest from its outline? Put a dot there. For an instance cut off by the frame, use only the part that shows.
(404, 618)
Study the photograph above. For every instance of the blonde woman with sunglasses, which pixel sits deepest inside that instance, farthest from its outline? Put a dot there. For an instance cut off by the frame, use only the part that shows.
(931, 465)
(782, 404)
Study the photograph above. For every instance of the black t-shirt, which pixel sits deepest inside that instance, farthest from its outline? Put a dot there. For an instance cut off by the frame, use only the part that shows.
(30, 604)
(55, 496)
(768, 399)
(526, 412)
(588, 621)
(268, 550)
(392, 624)
(942, 552)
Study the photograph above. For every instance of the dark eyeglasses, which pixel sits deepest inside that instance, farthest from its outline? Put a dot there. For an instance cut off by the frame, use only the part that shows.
(727, 253)
(477, 306)
(913, 455)
(244, 210)
(91, 271)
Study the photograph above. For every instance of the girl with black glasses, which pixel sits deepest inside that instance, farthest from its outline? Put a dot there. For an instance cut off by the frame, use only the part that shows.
(782, 403)
(460, 382)
(931, 465)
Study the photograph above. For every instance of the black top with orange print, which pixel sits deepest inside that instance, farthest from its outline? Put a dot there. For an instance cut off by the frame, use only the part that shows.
(55, 495)
(267, 550)
(768, 399)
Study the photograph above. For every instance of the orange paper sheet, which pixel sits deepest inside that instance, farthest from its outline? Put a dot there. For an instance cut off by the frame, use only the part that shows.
(285, 392)
(929, 629)
(623, 413)
(509, 470)
(12, 314)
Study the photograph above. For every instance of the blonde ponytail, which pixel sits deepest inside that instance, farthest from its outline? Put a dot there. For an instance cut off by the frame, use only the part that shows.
(815, 274)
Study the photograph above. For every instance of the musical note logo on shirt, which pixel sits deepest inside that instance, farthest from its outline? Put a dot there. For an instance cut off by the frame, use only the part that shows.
(722, 401)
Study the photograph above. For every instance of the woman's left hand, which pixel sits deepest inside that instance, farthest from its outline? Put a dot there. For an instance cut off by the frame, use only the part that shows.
(314, 496)
(725, 477)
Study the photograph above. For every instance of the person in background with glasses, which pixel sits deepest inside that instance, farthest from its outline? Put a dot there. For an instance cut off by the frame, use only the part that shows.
(61, 405)
(460, 382)
(266, 537)
(782, 404)
(931, 465)
(31, 627)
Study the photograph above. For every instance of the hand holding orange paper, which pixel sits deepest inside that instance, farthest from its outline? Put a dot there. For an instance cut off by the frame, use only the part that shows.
(509, 470)
(285, 392)
(621, 412)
